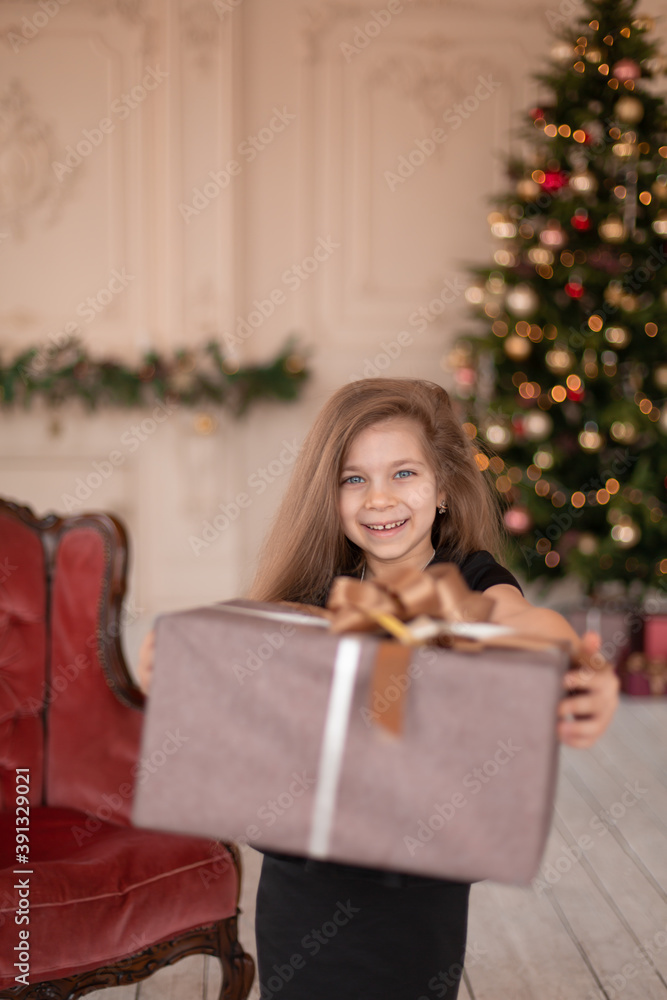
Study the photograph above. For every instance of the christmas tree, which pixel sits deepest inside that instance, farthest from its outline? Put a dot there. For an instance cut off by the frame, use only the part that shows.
(563, 374)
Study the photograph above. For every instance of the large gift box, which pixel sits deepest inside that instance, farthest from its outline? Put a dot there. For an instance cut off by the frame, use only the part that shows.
(263, 726)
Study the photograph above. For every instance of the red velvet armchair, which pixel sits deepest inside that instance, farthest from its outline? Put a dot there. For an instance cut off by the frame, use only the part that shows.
(87, 900)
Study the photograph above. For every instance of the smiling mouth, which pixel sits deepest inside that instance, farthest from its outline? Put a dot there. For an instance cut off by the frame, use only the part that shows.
(385, 527)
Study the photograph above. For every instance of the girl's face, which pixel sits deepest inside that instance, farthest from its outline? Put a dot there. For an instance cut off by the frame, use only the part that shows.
(388, 496)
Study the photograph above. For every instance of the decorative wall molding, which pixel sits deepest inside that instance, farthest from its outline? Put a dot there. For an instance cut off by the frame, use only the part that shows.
(28, 187)
(135, 13)
(425, 78)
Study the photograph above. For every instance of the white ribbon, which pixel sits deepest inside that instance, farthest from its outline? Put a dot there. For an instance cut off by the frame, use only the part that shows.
(293, 617)
(345, 669)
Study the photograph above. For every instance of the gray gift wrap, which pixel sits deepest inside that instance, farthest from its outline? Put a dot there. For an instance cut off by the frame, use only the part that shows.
(264, 727)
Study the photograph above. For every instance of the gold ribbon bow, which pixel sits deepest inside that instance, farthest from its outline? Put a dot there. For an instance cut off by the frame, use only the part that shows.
(439, 592)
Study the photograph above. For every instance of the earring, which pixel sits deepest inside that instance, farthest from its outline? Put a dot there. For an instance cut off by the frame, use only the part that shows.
(442, 507)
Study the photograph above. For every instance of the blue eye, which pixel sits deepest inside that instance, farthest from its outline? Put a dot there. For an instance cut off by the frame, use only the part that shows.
(351, 479)
(404, 473)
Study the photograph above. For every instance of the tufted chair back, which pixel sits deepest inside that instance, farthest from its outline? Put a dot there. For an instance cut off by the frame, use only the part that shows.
(53, 639)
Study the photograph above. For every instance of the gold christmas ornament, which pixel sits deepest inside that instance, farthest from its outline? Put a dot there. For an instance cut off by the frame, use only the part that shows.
(629, 109)
(583, 181)
(528, 189)
(537, 425)
(517, 348)
(522, 300)
(612, 229)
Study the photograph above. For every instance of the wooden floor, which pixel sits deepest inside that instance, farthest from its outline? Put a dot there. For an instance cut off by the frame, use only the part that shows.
(594, 922)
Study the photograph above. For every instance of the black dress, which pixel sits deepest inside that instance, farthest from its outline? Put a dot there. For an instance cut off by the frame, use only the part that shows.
(328, 931)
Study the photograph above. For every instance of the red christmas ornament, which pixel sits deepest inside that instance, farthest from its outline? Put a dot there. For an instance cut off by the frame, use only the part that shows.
(574, 289)
(517, 520)
(576, 395)
(626, 69)
(554, 180)
(518, 424)
(580, 220)
(466, 376)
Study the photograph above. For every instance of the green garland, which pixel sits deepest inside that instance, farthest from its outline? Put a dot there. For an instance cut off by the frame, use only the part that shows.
(189, 377)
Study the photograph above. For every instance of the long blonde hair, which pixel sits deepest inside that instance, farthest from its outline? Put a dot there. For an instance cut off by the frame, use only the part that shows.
(306, 547)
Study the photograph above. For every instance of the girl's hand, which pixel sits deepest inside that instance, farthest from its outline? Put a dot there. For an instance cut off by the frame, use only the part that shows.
(145, 665)
(594, 686)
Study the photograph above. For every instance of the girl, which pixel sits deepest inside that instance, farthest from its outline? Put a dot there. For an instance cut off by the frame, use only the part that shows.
(386, 480)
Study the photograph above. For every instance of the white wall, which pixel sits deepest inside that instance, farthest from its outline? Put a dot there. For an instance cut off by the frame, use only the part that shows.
(218, 75)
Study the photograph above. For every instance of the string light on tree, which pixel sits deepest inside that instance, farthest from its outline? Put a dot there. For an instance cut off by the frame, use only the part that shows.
(522, 300)
(583, 181)
(553, 235)
(659, 224)
(626, 533)
(660, 376)
(612, 229)
(562, 52)
(537, 426)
